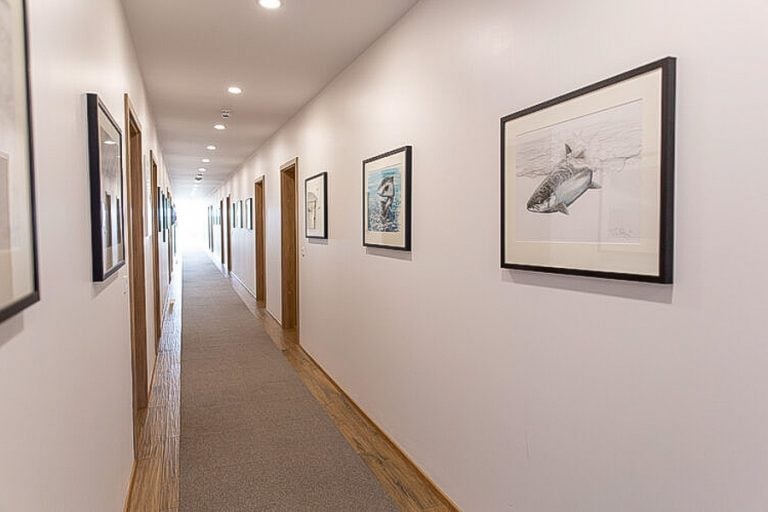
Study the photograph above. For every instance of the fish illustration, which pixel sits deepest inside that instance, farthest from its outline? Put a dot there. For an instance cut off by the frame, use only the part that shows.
(568, 182)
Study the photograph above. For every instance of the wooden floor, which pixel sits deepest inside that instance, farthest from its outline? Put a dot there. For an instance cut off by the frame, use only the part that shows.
(156, 484)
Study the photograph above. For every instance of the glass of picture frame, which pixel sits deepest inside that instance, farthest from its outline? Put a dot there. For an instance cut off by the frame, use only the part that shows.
(19, 286)
(105, 150)
(316, 206)
(387, 200)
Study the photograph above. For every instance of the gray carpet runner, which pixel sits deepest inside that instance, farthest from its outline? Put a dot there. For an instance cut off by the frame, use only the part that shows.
(253, 438)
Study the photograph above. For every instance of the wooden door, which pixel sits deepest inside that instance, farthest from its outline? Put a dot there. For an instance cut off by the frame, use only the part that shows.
(230, 220)
(137, 286)
(289, 235)
(261, 253)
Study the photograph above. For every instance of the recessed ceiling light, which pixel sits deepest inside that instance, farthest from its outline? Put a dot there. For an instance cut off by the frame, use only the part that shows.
(220, 127)
(211, 148)
(202, 169)
(235, 90)
(206, 160)
(271, 4)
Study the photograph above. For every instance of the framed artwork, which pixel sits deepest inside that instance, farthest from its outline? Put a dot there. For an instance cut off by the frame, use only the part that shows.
(240, 216)
(587, 180)
(234, 214)
(387, 200)
(164, 206)
(249, 213)
(315, 202)
(19, 287)
(159, 211)
(105, 150)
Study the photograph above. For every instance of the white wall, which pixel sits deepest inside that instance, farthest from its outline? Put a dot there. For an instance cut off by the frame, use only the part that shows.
(65, 366)
(529, 392)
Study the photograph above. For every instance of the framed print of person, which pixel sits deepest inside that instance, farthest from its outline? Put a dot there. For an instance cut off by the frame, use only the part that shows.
(316, 209)
(387, 200)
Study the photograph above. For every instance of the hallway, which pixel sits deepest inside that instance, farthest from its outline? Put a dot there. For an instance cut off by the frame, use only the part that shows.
(253, 434)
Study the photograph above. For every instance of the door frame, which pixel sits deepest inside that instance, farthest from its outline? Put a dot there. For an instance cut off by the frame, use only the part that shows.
(222, 219)
(136, 275)
(230, 219)
(155, 249)
(288, 253)
(260, 250)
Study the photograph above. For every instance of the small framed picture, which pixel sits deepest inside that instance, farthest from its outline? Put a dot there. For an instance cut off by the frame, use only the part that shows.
(387, 200)
(249, 213)
(19, 287)
(587, 180)
(105, 150)
(234, 214)
(316, 206)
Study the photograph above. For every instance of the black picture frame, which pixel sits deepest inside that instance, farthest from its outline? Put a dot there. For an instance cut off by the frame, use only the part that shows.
(234, 214)
(323, 235)
(164, 216)
(102, 270)
(666, 181)
(18, 303)
(249, 214)
(407, 158)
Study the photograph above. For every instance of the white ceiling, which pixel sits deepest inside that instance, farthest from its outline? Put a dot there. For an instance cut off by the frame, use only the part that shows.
(190, 51)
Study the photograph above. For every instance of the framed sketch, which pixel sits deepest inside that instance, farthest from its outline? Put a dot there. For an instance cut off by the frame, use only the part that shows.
(240, 216)
(164, 216)
(316, 204)
(105, 150)
(18, 237)
(249, 213)
(387, 200)
(587, 180)
(234, 214)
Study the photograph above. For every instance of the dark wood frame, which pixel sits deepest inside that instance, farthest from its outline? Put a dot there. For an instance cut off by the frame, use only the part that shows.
(324, 176)
(667, 178)
(408, 194)
(27, 300)
(94, 106)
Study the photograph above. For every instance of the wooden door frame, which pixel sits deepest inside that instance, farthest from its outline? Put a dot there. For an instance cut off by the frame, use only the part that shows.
(155, 249)
(260, 251)
(136, 275)
(222, 218)
(229, 234)
(291, 166)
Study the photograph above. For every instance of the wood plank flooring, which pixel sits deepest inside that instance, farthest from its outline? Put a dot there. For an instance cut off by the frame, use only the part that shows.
(155, 485)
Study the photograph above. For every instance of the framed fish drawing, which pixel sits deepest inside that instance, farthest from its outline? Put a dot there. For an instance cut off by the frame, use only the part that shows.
(316, 206)
(387, 200)
(587, 180)
(19, 287)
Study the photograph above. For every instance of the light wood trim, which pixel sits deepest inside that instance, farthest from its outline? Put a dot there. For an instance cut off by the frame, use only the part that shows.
(293, 162)
(381, 431)
(158, 309)
(260, 253)
(289, 246)
(135, 237)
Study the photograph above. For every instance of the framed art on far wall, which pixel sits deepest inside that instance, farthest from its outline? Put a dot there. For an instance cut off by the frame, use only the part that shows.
(105, 150)
(387, 200)
(249, 213)
(587, 180)
(316, 206)
(18, 235)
